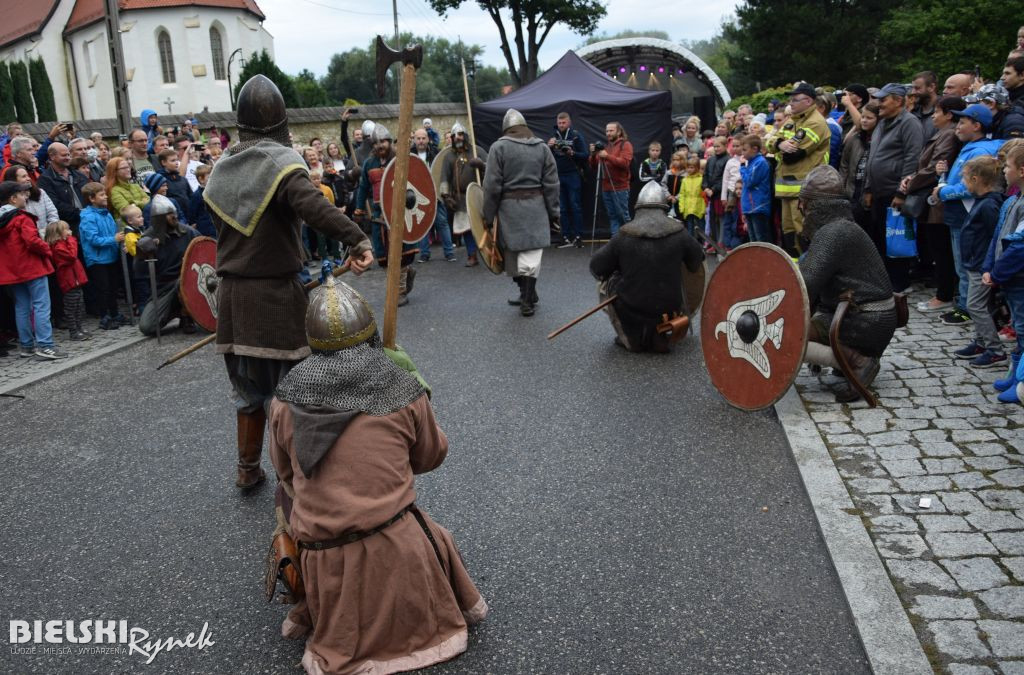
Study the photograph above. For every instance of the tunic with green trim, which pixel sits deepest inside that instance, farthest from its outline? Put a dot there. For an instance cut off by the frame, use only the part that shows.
(258, 198)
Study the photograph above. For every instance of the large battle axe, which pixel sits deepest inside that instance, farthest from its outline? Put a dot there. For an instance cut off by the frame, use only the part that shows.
(411, 58)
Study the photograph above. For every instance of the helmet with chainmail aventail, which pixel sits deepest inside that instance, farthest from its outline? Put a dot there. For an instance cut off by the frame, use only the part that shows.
(261, 111)
(338, 317)
(653, 195)
(380, 133)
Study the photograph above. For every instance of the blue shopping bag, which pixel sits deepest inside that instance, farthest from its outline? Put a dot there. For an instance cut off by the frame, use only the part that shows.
(900, 238)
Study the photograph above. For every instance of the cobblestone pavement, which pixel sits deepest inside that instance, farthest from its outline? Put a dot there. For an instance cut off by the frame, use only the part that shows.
(17, 372)
(938, 434)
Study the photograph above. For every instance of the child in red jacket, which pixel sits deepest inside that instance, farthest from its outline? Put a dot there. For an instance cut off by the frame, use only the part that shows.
(70, 276)
(24, 265)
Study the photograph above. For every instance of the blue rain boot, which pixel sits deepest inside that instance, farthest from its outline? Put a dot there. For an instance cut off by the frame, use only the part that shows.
(1010, 381)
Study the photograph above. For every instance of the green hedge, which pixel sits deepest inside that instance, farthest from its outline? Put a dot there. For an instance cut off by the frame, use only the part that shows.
(42, 91)
(24, 111)
(7, 114)
(759, 101)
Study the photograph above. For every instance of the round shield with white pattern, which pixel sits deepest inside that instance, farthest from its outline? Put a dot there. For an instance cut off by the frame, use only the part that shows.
(197, 285)
(419, 217)
(754, 324)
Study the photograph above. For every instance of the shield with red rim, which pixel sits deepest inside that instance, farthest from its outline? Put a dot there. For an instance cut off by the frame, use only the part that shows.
(197, 285)
(420, 217)
(753, 325)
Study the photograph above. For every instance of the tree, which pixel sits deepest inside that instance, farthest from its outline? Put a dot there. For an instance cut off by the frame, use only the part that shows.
(42, 91)
(7, 113)
(262, 64)
(931, 36)
(24, 111)
(532, 21)
(309, 91)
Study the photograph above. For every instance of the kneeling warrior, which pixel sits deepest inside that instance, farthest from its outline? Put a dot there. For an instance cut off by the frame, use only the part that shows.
(643, 266)
(521, 189)
(385, 589)
(841, 259)
(166, 241)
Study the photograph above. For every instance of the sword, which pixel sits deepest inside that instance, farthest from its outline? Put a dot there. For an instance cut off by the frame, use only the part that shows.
(583, 316)
(152, 290)
(703, 239)
(337, 272)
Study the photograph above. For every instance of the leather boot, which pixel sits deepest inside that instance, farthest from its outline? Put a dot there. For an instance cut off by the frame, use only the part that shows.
(864, 367)
(518, 300)
(471, 261)
(250, 448)
(529, 286)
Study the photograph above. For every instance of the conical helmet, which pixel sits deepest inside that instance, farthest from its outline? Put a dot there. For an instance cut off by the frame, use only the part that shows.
(457, 128)
(513, 118)
(338, 317)
(367, 128)
(261, 111)
(380, 133)
(652, 196)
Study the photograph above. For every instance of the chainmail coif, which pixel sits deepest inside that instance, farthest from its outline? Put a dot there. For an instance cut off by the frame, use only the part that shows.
(360, 378)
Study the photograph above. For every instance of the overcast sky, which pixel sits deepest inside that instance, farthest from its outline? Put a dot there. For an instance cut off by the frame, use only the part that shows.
(307, 32)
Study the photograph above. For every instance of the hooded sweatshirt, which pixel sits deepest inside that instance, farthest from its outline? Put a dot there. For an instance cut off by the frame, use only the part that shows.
(24, 256)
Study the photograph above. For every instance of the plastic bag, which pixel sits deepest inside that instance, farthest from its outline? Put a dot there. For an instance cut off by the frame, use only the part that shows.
(900, 237)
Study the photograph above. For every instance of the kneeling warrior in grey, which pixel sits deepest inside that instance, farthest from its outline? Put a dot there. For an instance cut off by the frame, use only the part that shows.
(521, 189)
(842, 259)
(643, 266)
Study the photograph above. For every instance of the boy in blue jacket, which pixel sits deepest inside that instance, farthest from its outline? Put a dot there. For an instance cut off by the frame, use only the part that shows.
(756, 198)
(1004, 267)
(100, 248)
(981, 176)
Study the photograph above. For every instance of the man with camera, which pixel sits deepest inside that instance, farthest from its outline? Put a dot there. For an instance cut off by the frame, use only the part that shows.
(570, 152)
(614, 162)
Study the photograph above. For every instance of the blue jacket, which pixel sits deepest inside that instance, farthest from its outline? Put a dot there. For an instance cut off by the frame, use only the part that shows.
(955, 187)
(757, 186)
(1008, 270)
(150, 130)
(835, 150)
(97, 228)
(978, 230)
(199, 216)
(564, 162)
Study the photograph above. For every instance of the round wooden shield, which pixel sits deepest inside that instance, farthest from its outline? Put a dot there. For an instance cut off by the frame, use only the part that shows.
(197, 286)
(437, 165)
(420, 218)
(694, 286)
(488, 251)
(753, 326)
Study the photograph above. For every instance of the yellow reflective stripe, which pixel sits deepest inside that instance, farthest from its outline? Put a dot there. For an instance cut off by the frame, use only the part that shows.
(787, 188)
(813, 136)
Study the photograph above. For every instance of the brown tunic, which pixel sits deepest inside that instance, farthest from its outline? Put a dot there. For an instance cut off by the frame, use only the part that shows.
(381, 604)
(261, 302)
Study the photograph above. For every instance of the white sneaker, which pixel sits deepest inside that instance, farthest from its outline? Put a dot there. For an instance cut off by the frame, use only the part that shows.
(50, 353)
(927, 306)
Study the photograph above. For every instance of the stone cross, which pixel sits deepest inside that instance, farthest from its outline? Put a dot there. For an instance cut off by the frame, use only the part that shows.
(169, 102)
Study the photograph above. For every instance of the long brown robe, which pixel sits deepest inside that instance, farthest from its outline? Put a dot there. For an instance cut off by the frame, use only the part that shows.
(384, 603)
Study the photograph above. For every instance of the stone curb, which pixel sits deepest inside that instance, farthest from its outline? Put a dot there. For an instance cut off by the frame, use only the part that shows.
(891, 644)
(71, 363)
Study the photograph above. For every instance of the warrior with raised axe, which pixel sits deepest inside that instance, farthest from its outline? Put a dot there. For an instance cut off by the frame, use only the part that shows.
(165, 240)
(370, 181)
(382, 587)
(643, 266)
(521, 190)
(258, 195)
(459, 169)
(843, 260)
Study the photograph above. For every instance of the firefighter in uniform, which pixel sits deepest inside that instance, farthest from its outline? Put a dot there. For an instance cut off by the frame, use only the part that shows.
(801, 145)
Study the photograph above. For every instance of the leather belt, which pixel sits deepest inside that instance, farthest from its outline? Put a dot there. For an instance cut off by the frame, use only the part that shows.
(352, 536)
(522, 194)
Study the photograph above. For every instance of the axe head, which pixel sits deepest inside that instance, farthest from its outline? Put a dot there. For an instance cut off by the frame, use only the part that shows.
(412, 55)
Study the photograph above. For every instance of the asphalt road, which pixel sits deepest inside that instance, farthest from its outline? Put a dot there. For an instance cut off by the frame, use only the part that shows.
(611, 507)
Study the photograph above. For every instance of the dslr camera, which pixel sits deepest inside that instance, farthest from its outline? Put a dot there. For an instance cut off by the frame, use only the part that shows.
(599, 145)
(563, 145)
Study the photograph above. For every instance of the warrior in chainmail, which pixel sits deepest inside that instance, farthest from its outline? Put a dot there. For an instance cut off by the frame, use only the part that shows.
(843, 258)
(349, 429)
(460, 169)
(643, 266)
(258, 196)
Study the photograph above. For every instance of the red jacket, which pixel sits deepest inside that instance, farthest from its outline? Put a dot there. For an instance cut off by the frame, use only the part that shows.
(617, 165)
(24, 255)
(70, 272)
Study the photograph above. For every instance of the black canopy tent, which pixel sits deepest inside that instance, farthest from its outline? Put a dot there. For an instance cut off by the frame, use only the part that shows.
(592, 99)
